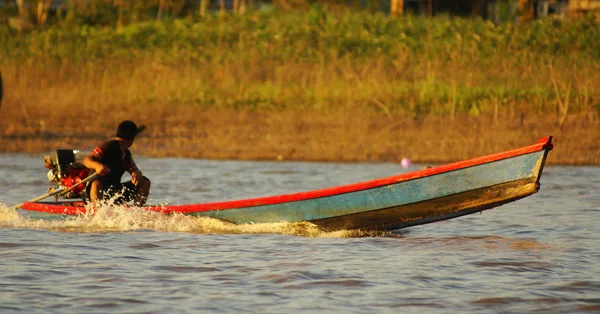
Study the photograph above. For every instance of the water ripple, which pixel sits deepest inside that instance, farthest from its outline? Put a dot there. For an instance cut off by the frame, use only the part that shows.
(537, 255)
(186, 269)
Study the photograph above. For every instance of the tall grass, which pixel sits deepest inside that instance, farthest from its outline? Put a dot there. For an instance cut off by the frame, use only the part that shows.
(315, 61)
(319, 60)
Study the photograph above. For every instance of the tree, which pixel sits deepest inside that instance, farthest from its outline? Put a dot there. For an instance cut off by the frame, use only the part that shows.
(397, 7)
(239, 6)
(119, 5)
(525, 10)
(161, 7)
(203, 7)
(23, 13)
(42, 11)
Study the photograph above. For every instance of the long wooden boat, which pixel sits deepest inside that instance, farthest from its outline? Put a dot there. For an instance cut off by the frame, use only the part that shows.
(394, 202)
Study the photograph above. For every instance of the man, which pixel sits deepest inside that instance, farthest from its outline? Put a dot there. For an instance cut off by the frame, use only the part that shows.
(110, 160)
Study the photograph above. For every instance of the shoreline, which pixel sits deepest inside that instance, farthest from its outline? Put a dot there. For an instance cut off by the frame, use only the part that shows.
(312, 137)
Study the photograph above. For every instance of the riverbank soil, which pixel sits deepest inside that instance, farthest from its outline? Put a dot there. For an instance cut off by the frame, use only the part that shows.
(343, 136)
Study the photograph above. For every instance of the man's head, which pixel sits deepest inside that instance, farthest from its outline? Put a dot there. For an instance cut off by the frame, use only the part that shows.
(127, 130)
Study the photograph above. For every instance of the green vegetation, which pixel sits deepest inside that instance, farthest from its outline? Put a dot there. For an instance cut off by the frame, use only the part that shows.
(316, 60)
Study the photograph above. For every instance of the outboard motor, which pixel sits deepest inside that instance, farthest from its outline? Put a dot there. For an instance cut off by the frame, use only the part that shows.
(66, 169)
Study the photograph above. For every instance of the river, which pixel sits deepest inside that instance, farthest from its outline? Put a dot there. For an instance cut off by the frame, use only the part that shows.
(538, 254)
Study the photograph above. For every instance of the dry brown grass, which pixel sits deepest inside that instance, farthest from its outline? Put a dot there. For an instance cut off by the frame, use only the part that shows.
(185, 131)
(333, 112)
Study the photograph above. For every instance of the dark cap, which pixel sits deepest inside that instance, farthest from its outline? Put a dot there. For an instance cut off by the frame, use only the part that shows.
(126, 130)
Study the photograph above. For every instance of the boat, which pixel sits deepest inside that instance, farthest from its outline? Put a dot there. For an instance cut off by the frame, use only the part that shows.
(399, 201)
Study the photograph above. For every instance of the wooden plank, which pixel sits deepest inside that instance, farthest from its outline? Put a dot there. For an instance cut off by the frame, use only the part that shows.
(429, 211)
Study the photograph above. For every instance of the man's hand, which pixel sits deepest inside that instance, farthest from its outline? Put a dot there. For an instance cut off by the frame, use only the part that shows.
(136, 176)
(92, 163)
(102, 170)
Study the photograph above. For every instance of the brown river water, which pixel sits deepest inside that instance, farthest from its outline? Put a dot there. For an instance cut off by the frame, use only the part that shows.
(540, 254)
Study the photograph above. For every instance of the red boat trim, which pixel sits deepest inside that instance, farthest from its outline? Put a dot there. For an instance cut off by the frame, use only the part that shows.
(60, 209)
(543, 144)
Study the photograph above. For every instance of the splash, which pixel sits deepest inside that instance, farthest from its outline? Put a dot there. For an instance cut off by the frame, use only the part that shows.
(7, 214)
(110, 218)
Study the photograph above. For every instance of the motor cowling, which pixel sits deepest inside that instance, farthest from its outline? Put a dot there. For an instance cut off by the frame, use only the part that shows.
(66, 170)
(73, 177)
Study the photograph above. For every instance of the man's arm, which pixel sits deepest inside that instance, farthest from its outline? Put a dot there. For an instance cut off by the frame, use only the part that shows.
(92, 162)
(136, 174)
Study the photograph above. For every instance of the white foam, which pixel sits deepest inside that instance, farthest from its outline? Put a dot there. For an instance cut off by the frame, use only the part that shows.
(110, 218)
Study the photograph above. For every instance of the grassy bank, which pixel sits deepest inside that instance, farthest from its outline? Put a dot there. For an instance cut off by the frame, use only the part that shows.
(185, 131)
(308, 85)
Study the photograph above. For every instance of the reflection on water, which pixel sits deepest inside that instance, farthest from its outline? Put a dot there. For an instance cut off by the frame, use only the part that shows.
(539, 254)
